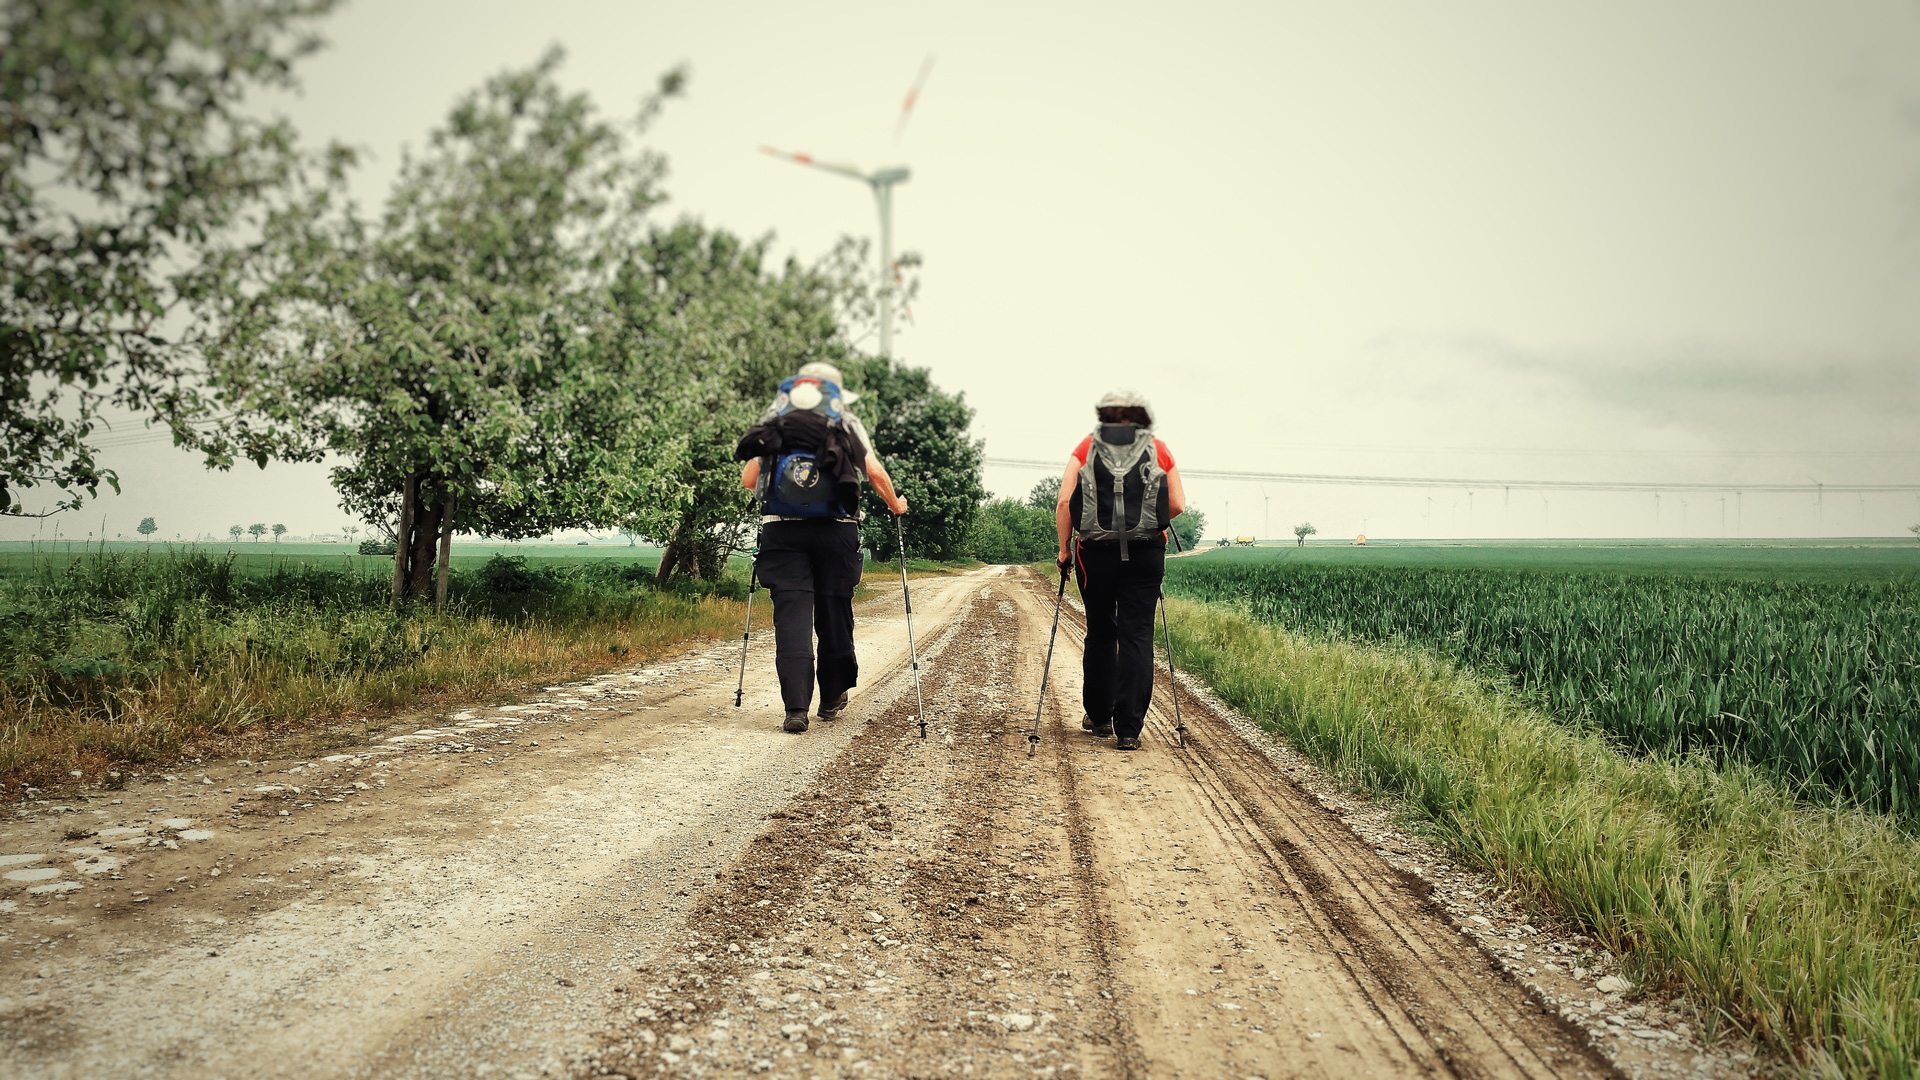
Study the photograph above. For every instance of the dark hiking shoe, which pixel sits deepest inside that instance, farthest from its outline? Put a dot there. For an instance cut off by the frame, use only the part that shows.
(796, 720)
(1104, 731)
(833, 711)
(1127, 742)
(1086, 723)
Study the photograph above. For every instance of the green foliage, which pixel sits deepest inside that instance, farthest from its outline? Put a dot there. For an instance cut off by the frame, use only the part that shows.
(1009, 531)
(1799, 924)
(124, 147)
(234, 531)
(1045, 495)
(278, 532)
(461, 348)
(139, 657)
(921, 432)
(1813, 683)
(256, 530)
(699, 311)
(147, 527)
(85, 627)
(1188, 527)
(371, 546)
(1302, 531)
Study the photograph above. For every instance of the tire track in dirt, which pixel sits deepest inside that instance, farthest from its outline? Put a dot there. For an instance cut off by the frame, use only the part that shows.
(1445, 1007)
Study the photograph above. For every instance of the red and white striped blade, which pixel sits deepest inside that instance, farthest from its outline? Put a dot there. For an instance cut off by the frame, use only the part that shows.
(810, 160)
(913, 96)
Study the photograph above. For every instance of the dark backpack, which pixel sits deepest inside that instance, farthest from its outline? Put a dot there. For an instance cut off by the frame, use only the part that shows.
(809, 461)
(1122, 493)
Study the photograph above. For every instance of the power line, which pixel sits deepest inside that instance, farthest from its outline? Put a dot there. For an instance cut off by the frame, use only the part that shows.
(1458, 482)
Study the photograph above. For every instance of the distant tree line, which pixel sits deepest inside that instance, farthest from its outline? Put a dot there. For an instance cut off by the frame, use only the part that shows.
(1015, 531)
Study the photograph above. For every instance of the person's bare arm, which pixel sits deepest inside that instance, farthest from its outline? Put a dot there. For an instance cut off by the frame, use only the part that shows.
(750, 475)
(1063, 507)
(1176, 493)
(883, 485)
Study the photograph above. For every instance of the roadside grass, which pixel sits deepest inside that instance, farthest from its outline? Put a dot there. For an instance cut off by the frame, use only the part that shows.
(1797, 923)
(122, 661)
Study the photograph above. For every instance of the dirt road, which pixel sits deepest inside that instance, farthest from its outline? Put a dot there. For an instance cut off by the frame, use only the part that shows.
(631, 877)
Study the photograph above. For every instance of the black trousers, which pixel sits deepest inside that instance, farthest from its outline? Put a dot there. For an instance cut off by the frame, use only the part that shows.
(811, 568)
(1118, 664)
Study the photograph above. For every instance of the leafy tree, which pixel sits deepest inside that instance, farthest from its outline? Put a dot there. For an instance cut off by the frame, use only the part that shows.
(278, 532)
(147, 527)
(1915, 530)
(1188, 527)
(921, 432)
(1045, 496)
(457, 355)
(124, 146)
(1302, 531)
(350, 531)
(1011, 531)
(716, 331)
(257, 531)
(234, 531)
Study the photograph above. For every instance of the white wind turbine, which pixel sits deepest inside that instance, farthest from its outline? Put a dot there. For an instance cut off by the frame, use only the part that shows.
(881, 181)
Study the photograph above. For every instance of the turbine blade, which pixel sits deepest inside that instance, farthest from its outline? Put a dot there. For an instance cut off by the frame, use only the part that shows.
(913, 96)
(808, 160)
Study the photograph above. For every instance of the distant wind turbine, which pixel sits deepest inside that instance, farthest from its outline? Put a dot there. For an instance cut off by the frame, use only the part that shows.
(882, 182)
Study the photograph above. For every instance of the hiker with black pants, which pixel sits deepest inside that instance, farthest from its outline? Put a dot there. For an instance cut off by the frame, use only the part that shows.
(804, 461)
(1120, 493)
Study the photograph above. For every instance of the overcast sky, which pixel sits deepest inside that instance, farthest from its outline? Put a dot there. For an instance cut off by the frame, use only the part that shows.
(1507, 241)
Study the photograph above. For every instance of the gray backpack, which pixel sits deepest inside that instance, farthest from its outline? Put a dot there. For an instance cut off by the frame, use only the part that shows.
(1122, 494)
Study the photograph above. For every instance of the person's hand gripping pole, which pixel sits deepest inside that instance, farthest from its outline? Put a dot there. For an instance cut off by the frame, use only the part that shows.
(913, 653)
(1033, 737)
(753, 583)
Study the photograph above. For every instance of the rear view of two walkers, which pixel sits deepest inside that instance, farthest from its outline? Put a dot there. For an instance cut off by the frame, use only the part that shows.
(804, 461)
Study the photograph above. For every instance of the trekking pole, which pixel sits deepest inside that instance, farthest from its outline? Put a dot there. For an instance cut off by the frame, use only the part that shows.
(913, 653)
(1173, 676)
(1033, 737)
(753, 583)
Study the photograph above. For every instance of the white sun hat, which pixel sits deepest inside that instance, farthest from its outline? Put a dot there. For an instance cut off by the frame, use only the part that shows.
(820, 369)
(1124, 399)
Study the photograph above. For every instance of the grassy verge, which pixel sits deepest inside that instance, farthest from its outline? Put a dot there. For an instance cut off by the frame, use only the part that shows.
(1799, 924)
(123, 661)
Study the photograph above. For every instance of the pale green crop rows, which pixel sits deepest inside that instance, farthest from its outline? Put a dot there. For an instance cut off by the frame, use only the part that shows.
(1817, 683)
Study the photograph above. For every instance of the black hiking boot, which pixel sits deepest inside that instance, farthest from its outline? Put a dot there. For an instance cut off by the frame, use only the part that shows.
(833, 711)
(1104, 731)
(1127, 742)
(796, 721)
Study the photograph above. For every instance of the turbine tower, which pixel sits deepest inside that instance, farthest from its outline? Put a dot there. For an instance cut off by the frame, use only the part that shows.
(881, 181)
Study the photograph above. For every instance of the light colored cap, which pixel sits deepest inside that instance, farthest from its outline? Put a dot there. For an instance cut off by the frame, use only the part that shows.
(820, 369)
(1124, 399)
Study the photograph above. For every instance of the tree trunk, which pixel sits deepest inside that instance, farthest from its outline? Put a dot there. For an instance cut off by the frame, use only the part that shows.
(429, 519)
(667, 555)
(401, 548)
(446, 554)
